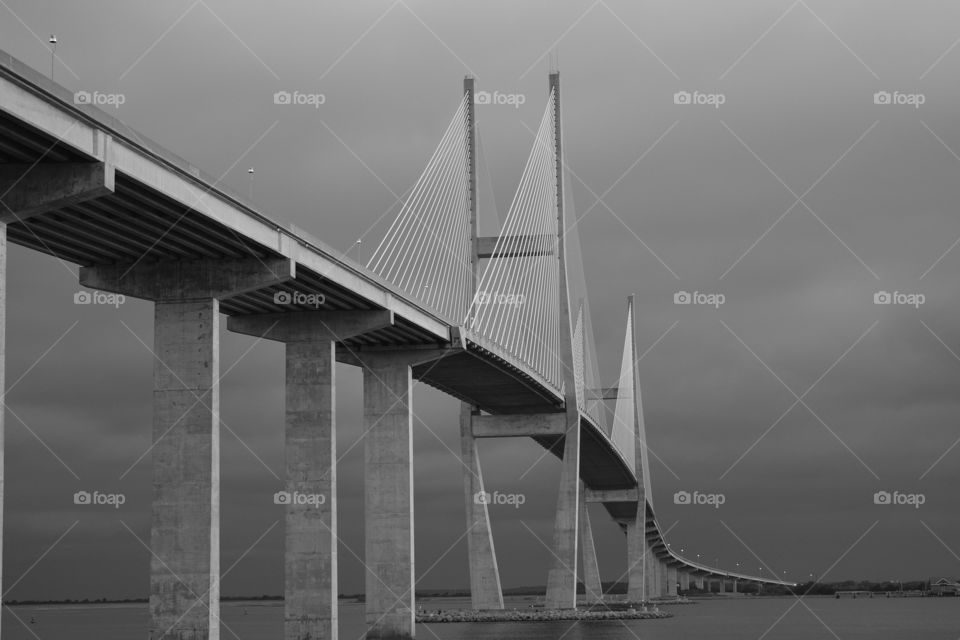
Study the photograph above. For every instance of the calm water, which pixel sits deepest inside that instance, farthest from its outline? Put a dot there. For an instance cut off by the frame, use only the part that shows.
(733, 619)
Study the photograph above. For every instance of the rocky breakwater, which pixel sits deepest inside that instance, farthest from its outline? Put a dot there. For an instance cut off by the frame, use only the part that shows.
(538, 615)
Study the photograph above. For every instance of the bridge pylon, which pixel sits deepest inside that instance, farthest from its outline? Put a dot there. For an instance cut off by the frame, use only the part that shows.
(485, 589)
(562, 578)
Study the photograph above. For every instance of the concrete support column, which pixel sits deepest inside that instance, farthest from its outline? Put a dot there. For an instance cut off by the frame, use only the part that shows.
(485, 590)
(722, 588)
(185, 531)
(684, 581)
(698, 581)
(185, 534)
(653, 581)
(734, 587)
(593, 587)
(664, 576)
(637, 563)
(388, 491)
(672, 581)
(562, 579)
(310, 558)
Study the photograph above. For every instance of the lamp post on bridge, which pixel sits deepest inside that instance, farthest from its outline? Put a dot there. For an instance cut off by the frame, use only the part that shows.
(53, 53)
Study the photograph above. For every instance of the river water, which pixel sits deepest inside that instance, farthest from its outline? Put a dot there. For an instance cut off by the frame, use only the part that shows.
(716, 619)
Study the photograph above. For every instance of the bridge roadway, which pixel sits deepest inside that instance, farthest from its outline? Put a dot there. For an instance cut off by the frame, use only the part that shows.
(120, 199)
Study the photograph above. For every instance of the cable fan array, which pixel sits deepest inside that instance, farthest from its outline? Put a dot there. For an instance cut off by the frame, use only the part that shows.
(517, 304)
(426, 251)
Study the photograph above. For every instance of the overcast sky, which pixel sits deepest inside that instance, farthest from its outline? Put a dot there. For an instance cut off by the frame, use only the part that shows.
(798, 199)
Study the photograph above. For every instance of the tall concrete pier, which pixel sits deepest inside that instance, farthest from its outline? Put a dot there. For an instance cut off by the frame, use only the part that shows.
(310, 449)
(185, 531)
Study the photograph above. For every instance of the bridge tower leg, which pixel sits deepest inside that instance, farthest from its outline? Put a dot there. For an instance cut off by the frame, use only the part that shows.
(593, 587)
(562, 578)
(671, 581)
(641, 582)
(485, 590)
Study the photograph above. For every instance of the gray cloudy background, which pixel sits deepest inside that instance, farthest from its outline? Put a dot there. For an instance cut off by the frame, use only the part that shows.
(693, 198)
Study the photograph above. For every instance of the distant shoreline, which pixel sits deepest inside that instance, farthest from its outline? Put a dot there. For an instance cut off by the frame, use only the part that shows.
(611, 589)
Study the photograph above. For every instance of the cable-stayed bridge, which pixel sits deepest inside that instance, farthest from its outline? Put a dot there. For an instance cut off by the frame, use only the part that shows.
(499, 322)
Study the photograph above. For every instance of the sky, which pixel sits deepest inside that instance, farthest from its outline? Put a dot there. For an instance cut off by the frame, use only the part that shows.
(813, 168)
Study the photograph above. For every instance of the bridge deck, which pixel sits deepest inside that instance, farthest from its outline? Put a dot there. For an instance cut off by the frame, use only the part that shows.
(163, 208)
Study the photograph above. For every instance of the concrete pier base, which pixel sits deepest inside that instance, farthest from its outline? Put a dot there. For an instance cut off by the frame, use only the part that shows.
(722, 587)
(485, 590)
(733, 586)
(185, 534)
(388, 491)
(699, 582)
(684, 581)
(593, 587)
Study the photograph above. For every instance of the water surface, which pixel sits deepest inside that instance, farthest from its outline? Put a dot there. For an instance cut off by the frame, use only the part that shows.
(717, 619)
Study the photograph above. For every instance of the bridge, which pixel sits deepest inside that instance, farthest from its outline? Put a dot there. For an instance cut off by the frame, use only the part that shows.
(500, 323)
